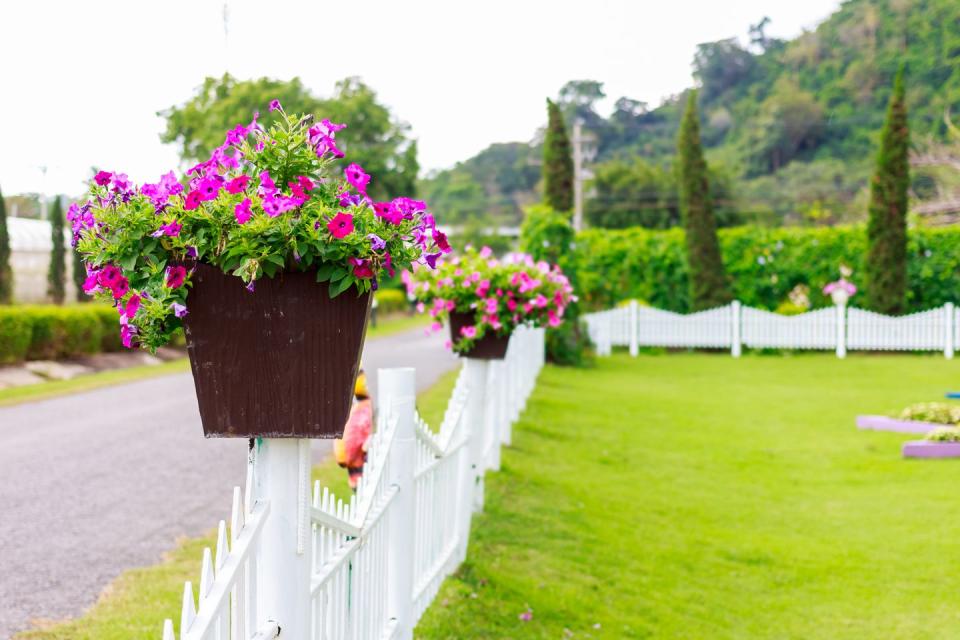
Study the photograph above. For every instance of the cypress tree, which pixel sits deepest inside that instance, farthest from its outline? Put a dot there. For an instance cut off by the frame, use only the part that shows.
(56, 276)
(557, 162)
(885, 275)
(6, 273)
(707, 279)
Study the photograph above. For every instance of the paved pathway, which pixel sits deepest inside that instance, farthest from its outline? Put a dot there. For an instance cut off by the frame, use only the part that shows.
(95, 483)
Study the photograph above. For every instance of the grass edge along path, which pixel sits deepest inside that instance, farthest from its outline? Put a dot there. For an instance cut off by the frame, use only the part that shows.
(699, 496)
(135, 604)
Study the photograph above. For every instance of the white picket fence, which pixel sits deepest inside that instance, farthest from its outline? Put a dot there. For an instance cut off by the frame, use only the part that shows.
(309, 565)
(734, 326)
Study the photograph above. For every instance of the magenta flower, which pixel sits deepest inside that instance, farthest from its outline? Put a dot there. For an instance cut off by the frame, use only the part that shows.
(341, 225)
(120, 288)
(192, 201)
(209, 188)
(305, 183)
(178, 309)
(442, 243)
(388, 211)
(91, 284)
(237, 185)
(468, 331)
(267, 185)
(431, 259)
(176, 276)
(132, 306)
(109, 276)
(236, 135)
(361, 268)
(275, 105)
(357, 178)
(243, 212)
(127, 332)
(526, 616)
(103, 178)
(171, 229)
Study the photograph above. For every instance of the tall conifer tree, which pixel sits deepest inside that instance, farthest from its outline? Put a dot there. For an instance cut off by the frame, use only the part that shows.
(56, 276)
(708, 281)
(885, 277)
(6, 273)
(557, 162)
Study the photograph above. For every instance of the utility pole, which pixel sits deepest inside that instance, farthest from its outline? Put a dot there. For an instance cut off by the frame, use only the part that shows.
(577, 175)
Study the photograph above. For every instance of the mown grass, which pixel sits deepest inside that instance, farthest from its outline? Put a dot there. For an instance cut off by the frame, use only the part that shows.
(698, 496)
(390, 324)
(137, 602)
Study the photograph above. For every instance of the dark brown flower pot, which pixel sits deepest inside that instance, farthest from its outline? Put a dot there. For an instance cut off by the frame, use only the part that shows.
(278, 362)
(489, 347)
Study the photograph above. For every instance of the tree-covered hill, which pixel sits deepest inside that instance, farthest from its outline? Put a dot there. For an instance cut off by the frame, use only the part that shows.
(790, 127)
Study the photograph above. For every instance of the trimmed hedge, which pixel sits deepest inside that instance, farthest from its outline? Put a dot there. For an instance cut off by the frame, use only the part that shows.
(391, 301)
(764, 264)
(50, 332)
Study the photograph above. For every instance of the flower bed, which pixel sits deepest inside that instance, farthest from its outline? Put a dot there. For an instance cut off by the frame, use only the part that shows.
(886, 423)
(928, 449)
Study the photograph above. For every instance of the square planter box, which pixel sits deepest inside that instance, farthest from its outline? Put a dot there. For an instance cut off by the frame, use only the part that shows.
(927, 449)
(885, 423)
(277, 362)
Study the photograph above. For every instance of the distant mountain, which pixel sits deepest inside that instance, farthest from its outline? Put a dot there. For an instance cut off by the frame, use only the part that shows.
(790, 127)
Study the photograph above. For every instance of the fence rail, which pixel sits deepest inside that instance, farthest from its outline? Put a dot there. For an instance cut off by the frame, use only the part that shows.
(734, 326)
(368, 567)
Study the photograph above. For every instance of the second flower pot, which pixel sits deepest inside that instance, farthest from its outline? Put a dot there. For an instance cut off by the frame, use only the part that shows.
(279, 361)
(489, 347)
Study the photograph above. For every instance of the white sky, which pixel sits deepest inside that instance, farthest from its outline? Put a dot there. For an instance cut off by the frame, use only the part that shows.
(83, 80)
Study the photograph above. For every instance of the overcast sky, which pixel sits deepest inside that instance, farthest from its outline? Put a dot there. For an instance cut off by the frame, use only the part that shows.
(83, 80)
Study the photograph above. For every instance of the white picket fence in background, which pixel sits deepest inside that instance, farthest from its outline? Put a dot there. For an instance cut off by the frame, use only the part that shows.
(734, 326)
(309, 565)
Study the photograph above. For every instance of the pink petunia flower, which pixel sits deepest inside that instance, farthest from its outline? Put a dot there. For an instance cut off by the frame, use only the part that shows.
(176, 276)
(243, 212)
(468, 331)
(237, 185)
(357, 177)
(341, 225)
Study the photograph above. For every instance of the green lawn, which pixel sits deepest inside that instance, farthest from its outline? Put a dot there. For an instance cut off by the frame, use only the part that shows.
(698, 496)
(137, 602)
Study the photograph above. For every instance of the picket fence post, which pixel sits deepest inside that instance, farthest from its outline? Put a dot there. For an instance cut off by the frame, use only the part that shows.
(841, 330)
(949, 312)
(634, 328)
(476, 372)
(397, 389)
(735, 342)
(496, 394)
(281, 471)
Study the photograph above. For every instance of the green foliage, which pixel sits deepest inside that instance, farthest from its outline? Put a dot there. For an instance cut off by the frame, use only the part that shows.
(764, 264)
(56, 274)
(886, 266)
(374, 138)
(707, 281)
(944, 434)
(62, 332)
(392, 301)
(557, 162)
(935, 412)
(6, 273)
(548, 235)
(108, 318)
(16, 330)
(474, 233)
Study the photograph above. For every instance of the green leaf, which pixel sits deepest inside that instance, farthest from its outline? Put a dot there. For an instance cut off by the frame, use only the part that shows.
(339, 287)
(324, 272)
(129, 263)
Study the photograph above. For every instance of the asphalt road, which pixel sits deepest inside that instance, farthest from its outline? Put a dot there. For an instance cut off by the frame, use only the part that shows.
(95, 483)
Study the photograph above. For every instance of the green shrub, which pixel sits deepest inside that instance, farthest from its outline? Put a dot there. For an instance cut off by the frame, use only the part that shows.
(569, 344)
(62, 332)
(788, 308)
(391, 301)
(109, 321)
(935, 412)
(16, 328)
(764, 265)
